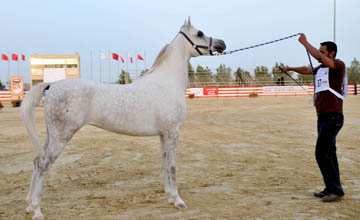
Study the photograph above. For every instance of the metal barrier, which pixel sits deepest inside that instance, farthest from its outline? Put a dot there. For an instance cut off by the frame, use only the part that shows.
(251, 91)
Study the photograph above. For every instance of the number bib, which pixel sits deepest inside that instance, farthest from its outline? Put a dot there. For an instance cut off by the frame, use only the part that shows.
(322, 80)
(322, 83)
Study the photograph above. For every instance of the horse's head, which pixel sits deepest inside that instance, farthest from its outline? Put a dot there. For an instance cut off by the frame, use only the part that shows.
(199, 43)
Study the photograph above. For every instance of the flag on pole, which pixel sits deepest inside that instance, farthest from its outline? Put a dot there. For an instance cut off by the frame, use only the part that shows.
(115, 56)
(122, 59)
(23, 57)
(102, 56)
(4, 57)
(14, 57)
(130, 58)
(140, 57)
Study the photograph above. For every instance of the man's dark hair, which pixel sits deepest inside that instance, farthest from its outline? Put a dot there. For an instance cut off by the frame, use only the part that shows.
(330, 46)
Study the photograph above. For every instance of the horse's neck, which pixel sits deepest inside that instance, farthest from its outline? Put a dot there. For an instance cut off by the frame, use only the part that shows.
(175, 66)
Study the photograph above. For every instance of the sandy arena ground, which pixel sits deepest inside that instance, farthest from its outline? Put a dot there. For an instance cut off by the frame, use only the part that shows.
(238, 158)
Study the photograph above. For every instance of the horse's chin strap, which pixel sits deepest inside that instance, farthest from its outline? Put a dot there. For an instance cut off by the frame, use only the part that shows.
(196, 47)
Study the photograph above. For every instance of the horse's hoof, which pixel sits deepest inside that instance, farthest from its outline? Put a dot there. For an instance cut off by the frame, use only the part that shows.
(180, 205)
(177, 201)
(38, 217)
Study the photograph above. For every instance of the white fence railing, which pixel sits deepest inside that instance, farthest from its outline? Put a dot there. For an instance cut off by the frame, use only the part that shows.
(236, 91)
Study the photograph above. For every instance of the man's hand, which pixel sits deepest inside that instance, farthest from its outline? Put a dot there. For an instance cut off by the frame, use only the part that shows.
(284, 69)
(326, 61)
(302, 39)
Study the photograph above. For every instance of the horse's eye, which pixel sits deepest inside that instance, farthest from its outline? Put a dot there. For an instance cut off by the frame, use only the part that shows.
(200, 34)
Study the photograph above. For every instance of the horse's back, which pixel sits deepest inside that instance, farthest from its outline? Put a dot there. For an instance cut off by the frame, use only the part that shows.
(70, 91)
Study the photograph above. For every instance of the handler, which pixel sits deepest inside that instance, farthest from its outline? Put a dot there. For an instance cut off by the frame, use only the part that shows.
(329, 94)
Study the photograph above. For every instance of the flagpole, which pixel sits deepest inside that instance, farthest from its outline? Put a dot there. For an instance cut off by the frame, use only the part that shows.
(18, 65)
(9, 68)
(109, 66)
(136, 59)
(334, 21)
(91, 66)
(145, 59)
(100, 64)
(118, 74)
(127, 68)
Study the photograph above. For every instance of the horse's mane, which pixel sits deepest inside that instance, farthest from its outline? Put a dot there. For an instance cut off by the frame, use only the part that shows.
(159, 59)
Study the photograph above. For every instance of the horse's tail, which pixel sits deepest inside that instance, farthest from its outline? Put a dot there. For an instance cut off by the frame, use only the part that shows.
(31, 100)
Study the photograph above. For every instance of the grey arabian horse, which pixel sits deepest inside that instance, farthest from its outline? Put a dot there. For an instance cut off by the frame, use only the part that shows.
(152, 105)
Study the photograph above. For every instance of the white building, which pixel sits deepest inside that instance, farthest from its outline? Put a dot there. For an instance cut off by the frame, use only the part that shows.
(53, 67)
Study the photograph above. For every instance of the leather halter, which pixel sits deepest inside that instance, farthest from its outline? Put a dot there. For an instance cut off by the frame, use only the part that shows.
(196, 47)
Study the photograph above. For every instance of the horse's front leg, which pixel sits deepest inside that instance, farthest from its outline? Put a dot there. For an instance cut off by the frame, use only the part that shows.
(165, 156)
(169, 144)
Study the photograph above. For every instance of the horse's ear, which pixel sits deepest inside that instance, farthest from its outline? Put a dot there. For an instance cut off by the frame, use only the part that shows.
(187, 23)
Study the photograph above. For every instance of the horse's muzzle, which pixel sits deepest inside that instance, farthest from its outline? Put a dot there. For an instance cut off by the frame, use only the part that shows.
(219, 46)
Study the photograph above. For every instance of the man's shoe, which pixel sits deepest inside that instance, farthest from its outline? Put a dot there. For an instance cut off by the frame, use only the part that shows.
(319, 194)
(331, 198)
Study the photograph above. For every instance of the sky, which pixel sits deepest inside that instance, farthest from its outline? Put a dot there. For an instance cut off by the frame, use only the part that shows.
(133, 26)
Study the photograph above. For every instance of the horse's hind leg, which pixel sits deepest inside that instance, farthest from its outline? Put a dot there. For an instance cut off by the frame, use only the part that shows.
(170, 142)
(33, 179)
(31, 189)
(42, 165)
(29, 197)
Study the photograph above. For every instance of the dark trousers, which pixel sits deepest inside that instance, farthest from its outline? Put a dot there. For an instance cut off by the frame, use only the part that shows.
(328, 126)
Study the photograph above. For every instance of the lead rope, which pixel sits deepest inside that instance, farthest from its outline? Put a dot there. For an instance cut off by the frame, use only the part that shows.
(270, 42)
(257, 45)
(313, 74)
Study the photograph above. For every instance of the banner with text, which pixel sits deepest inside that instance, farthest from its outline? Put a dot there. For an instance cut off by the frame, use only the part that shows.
(211, 91)
(17, 87)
